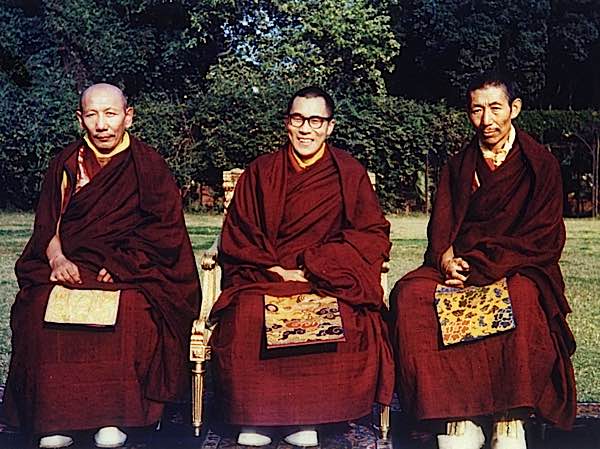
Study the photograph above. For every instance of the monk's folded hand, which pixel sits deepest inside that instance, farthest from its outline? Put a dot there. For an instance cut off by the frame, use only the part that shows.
(456, 271)
(104, 276)
(63, 270)
(288, 275)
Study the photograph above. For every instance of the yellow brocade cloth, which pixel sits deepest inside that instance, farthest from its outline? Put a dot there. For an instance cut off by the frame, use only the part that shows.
(474, 312)
(302, 319)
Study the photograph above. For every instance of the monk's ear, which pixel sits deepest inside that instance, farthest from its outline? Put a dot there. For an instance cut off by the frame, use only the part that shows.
(128, 117)
(330, 126)
(515, 108)
(79, 115)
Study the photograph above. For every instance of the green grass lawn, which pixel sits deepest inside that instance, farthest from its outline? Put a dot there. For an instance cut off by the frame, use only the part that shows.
(580, 264)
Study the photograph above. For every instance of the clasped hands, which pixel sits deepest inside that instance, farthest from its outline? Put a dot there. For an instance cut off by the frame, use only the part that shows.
(63, 270)
(456, 271)
(296, 275)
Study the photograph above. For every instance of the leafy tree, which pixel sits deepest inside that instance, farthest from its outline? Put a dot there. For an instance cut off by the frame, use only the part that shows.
(158, 52)
(327, 42)
(574, 50)
(446, 42)
(33, 93)
(209, 80)
(276, 48)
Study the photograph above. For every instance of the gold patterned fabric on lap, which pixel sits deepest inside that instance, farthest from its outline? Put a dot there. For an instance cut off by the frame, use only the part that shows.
(474, 312)
(302, 319)
(88, 307)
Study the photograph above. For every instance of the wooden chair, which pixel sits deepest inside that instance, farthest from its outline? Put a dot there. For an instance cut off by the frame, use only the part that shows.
(210, 279)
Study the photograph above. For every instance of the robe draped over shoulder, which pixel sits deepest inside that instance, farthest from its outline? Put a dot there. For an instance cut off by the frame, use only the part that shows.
(510, 226)
(327, 220)
(129, 220)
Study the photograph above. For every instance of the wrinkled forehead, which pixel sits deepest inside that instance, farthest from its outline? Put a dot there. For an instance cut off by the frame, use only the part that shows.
(103, 97)
(489, 94)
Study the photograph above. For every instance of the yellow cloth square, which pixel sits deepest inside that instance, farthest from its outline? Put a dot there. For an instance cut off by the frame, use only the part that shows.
(92, 307)
(302, 319)
(472, 313)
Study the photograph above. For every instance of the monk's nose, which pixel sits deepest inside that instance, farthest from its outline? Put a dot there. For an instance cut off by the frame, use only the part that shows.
(305, 128)
(100, 123)
(486, 118)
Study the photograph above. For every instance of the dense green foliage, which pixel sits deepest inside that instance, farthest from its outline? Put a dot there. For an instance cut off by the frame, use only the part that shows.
(210, 80)
(552, 46)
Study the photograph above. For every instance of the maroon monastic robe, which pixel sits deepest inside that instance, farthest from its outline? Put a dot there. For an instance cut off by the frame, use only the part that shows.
(129, 220)
(326, 219)
(510, 226)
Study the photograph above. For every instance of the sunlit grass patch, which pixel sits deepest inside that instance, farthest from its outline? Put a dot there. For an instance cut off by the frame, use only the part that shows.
(580, 264)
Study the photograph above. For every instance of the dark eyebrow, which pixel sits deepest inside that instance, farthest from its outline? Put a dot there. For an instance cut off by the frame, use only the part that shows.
(494, 103)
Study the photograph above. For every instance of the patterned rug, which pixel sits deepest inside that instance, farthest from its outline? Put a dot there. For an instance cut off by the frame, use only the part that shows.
(175, 432)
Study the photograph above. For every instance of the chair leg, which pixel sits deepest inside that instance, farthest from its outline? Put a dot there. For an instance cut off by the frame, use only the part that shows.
(385, 421)
(197, 391)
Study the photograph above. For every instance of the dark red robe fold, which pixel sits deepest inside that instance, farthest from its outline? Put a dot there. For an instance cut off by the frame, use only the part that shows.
(129, 220)
(510, 226)
(328, 220)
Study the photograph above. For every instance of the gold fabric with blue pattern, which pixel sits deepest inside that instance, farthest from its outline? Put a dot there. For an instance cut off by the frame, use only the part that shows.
(471, 313)
(302, 319)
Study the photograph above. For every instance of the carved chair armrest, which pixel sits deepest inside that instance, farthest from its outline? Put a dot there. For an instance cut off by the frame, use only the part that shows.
(385, 268)
(209, 257)
(211, 286)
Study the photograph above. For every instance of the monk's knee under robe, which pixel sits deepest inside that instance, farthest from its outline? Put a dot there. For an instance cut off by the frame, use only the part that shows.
(502, 372)
(326, 220)
(326, 382)
(79, 377)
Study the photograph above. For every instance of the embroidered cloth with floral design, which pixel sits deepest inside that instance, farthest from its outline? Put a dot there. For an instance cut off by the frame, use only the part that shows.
(473, 312)
(302, 319)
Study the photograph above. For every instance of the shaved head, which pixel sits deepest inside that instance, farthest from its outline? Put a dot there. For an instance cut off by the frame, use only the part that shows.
(102, 89)
(104, 115)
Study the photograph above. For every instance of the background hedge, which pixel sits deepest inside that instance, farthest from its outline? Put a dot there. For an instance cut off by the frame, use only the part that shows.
(209, 81)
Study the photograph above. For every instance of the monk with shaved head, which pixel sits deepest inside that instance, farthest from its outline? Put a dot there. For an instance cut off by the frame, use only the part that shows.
(109, 229)
(104, 114)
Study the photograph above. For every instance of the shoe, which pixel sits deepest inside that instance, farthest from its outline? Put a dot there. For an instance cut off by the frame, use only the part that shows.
(55, 441)
(509, 435)
(303, 438)
(462, 435)
(110, 437)
(251, 437)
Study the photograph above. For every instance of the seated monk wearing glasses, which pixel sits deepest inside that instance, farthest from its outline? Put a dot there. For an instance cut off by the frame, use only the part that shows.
(303, 220)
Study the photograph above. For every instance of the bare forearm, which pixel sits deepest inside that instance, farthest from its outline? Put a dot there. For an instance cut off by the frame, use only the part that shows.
(288, 275)
(63, 270)
(54, 249)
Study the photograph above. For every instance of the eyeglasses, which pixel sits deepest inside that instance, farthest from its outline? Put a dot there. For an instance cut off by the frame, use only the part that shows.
(314, 121)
